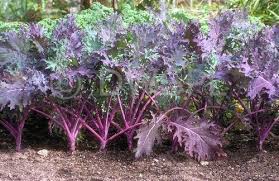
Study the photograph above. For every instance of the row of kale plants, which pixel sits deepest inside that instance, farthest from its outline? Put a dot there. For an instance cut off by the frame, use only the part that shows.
(142, 80)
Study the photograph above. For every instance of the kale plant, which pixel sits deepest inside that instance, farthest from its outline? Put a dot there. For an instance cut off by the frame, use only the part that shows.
(251, 72)
(23, 77)
(253, 75)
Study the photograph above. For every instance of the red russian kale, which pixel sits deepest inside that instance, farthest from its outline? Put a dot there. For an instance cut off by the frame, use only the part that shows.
(23, 79)
(251, 71)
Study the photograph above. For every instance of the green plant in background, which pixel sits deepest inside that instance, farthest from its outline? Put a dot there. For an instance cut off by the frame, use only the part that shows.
(139, 4)
(91, 16)
(48, 25)
(55, 8)
(187, 11)
(134, 16)
(20, 10)
(266, 10)
(88, 18)
(34, 10)
(186, 16)
(99, 12)
(10, 26)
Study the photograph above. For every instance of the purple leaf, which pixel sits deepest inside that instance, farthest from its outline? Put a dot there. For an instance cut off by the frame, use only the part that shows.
(200, 139)
(14, 94)
(147, 135)
(259, 85)
(35, 31)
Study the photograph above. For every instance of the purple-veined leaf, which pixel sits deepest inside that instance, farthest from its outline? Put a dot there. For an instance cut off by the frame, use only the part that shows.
(147, 135)
(20, 91)
(13, 94)
(200, 139)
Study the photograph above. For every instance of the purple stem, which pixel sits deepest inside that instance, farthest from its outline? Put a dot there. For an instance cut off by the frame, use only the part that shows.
(93, 131)
(16, 130)
(70, 121)
(122, 112)
(145, 107)
(263, 137)
(138, 105)
(123, 131)
(239, 118)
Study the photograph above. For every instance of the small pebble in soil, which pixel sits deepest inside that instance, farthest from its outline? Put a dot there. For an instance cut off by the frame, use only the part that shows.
(43, 152)
(204, 163)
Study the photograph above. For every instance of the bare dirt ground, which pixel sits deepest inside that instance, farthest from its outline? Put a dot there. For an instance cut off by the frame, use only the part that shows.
(89, 164)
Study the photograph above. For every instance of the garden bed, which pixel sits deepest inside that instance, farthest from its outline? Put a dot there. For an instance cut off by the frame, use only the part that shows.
(242, 163)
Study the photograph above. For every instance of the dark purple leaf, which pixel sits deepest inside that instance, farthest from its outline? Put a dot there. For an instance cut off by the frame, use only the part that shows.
(148, 135)
(200, 139)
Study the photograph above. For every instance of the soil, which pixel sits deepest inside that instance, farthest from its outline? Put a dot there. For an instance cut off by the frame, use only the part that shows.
(243, 162)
